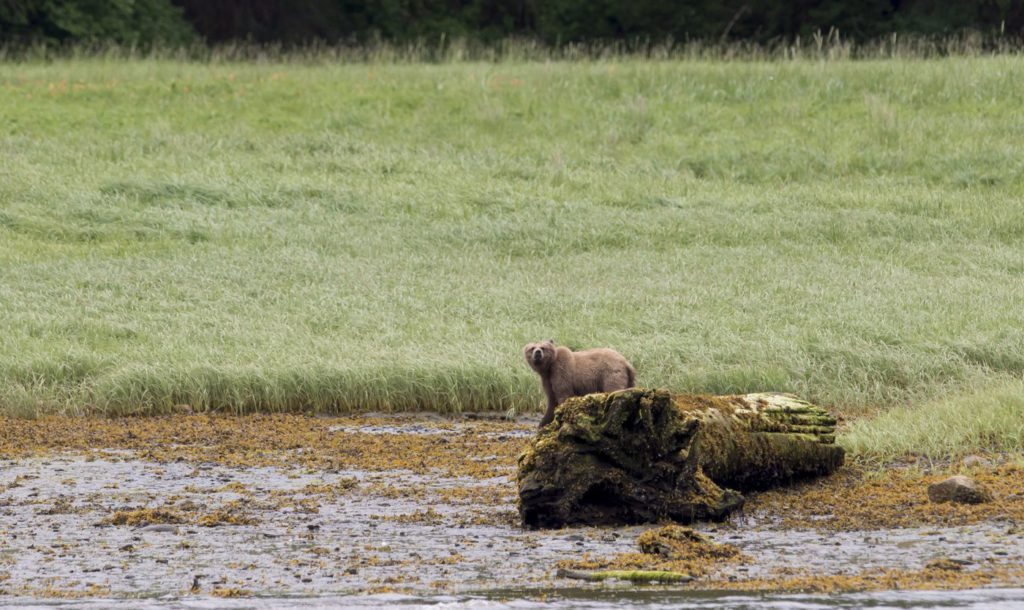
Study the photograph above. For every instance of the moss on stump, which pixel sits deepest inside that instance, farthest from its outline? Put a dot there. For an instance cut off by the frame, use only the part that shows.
(639, 456)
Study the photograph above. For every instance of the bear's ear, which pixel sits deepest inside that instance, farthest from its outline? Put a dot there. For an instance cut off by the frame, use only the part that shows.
(551, 341)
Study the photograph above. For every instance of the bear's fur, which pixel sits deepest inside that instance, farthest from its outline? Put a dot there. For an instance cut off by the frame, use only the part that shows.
(565, 373)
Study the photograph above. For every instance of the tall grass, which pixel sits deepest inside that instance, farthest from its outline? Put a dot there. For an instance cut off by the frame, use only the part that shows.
(989, 419)
(827, 46)
(334, 237)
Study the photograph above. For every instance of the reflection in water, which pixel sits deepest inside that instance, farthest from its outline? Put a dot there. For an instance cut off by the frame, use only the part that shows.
(569, 599)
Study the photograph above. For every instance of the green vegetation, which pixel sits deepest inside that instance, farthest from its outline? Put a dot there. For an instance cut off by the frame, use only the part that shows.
(991, 419)
(285, 235)
(553, 22)
(138, 24)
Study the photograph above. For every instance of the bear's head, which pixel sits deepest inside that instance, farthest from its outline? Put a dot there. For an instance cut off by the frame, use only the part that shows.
(540, 355)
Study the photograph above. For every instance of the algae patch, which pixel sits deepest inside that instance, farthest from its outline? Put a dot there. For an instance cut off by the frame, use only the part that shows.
(668, 549)
(138, 517)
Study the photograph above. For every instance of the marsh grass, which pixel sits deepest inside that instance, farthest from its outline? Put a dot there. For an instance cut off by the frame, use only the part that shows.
(986, 420)
(828, 45)
(336, 237)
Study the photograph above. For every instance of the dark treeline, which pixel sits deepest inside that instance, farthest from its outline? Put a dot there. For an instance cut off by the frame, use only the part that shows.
(553, 22)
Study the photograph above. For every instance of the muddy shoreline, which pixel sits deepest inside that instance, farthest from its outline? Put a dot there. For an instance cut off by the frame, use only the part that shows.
(196, 507)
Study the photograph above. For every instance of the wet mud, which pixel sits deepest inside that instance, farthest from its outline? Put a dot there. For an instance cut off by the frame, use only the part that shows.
(197, 507)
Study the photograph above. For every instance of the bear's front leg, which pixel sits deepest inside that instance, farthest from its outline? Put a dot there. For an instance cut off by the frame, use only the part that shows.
(550, 413)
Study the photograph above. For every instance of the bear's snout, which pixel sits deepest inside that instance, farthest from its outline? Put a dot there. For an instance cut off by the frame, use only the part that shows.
(538, 355)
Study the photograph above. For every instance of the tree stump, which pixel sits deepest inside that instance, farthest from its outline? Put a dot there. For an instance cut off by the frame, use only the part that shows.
(639, 456)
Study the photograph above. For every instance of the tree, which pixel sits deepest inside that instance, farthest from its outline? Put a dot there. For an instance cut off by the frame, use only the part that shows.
(140, 23)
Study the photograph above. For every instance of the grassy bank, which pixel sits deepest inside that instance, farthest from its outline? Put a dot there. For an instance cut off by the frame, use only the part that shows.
(986, 420)
(288, 236)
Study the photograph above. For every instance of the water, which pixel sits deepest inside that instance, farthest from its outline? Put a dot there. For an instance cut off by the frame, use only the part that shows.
(570, 599)
(338, 538)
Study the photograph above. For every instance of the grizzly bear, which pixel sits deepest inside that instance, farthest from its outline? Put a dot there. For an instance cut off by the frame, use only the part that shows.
(565, 373)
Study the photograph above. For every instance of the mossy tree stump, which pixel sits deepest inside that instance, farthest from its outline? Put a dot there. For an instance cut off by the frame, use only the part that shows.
(640, 456)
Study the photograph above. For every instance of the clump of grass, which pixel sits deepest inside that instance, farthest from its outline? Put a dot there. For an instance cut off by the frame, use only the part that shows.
(986, 420)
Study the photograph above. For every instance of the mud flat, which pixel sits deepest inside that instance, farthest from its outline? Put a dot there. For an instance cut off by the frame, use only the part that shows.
(191, 510)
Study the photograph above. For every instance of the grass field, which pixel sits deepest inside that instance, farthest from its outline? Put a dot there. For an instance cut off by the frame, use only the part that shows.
(336, 237)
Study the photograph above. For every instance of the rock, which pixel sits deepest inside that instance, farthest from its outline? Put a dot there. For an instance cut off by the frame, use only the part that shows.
(161, 528)
(972, 461)
(960, 489)
(640, 456)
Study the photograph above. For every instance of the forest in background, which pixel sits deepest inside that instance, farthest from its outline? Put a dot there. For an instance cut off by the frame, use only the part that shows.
(169, 23)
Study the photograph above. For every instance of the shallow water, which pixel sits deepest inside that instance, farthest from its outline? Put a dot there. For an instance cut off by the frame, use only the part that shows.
(567, 599)
(318, 539)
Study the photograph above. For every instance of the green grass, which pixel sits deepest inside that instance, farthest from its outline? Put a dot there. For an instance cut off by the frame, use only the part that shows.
(988, 420)
(338, 237)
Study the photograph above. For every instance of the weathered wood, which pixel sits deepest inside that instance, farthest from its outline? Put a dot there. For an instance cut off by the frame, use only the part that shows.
(645, 455)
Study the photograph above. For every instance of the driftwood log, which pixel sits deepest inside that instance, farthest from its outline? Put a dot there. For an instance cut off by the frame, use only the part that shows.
(639, 456)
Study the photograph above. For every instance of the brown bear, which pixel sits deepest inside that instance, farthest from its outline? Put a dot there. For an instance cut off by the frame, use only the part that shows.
(565, 373)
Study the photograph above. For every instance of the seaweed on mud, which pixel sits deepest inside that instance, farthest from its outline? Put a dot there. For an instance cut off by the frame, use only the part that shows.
(269, 440)
(145, 516)
(857, 498)
(229, 514)
(220, 457)
(929, 578)
(674, 542)
(670, 548)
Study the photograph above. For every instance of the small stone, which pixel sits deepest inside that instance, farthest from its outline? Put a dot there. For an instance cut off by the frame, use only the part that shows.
(160, 528)
(960, 489)
(975, 460)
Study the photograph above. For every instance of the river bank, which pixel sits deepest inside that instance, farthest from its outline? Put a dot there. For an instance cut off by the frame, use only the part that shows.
(199, 507)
